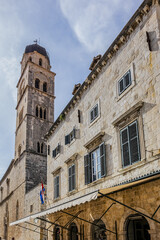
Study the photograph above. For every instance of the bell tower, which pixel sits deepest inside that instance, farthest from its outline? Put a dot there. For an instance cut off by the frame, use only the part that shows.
(35, 113)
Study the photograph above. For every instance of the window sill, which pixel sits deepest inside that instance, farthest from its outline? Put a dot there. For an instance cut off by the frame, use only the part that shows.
(125, 92)
(131, 167)
(72, 192)
(56, 199)
(96, 182)
(90, 125)
(56, 156)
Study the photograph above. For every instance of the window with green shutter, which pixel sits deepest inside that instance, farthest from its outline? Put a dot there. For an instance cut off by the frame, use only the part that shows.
(95, 164)
(56, 187)
(124, 82)
(56, 151)
(71, 178)
(130, 147)
(70, 137)
(94, 113)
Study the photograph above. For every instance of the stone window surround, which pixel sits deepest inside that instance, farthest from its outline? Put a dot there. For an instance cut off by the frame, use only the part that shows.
(133, 83)
(70, 161)
(134, 113)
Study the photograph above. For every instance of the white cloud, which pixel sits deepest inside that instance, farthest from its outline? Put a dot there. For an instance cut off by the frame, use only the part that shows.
(96, 23)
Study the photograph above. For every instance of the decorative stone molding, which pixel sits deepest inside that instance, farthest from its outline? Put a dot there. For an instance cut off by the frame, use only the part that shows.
(109, 55)
(130, 30)
(122, 39)
(95, 141)
(72, 158)
(146, 9)
(138, 19)
(115, 47)
(98, 69)
(93, 76)
(56, 171)
(104, 63)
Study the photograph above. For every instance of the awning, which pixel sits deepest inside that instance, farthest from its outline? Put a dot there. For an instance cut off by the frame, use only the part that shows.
(62, 204)
(70, 202)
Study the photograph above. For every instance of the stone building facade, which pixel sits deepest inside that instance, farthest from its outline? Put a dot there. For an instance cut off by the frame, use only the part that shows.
(103, 176)
(35, 115)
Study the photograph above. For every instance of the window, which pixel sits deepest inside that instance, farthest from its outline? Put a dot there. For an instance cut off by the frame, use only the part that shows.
(124, 82)
(37, 111)
(41, 147)
(48, 149)
(95, 164)
(45, 87)
(72, 179)
(37, 82)
(8, 185)
(17, 210)
(56, 151)
(40, 112)
(31, 208)
(56, 187)
(69, 138)
(40, 62)
(38, 147)
(44, 113)
(94, 113)
(130, 147)
(19, 150)
(30, 59)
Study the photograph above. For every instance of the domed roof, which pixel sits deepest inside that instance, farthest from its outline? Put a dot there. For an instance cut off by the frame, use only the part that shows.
(38, 48)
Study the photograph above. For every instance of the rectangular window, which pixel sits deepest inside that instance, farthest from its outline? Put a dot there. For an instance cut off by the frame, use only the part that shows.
(130, 148)
(56, 151)
(94, 113)
(124, 82)
(95, 164)
(56, 187)
(72, 178)
(69, 138)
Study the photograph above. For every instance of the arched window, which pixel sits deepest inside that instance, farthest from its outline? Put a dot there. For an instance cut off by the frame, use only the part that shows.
(17, 210)
(40, 112)
(38, 147)
(30, 59)
(137, 228)
(98, 232)
(56, 233)
(37, 83)
(73, 232)
(19, 150)
(37, 111)
(45, 87)
(41, 147)
(40, 62)
(44, 113)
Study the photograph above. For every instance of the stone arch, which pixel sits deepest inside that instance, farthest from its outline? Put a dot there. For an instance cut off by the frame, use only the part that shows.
(56, 233)
(97, 232)
(40, 62)
(73, 231)
(124, 219)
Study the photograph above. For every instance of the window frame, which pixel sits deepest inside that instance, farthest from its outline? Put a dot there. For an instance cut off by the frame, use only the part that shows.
(88, 164)
(70, 137)
(123, 79)
(56, 151)
(129, 143)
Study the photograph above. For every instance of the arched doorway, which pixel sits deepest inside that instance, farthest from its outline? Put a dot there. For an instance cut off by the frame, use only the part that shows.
(137, 228)
(56, 233)
(73, 232)
(98, 233)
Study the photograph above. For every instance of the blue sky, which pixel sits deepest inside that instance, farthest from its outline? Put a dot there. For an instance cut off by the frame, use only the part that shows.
(72, 31)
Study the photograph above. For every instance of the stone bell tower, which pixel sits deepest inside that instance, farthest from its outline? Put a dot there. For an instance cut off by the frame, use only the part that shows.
(35, 113)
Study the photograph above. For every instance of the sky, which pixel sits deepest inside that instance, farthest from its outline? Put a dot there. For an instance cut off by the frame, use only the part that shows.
(72, 31)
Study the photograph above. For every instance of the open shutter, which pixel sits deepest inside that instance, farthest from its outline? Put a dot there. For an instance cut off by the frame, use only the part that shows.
(127, 79)
(134, 142)
(125, 147)
(70, 178)
(87, 168)
(73, 178)
(58, 148)
(121, 86)
(103, 159)
(74, 133)
(66, 139)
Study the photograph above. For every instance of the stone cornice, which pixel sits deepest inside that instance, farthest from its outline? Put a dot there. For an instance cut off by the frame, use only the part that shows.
(120, 40)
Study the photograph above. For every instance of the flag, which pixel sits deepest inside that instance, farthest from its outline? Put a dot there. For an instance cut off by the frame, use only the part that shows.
(42, 194)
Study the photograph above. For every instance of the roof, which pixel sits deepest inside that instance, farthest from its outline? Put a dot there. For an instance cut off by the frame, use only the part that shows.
(37, 48)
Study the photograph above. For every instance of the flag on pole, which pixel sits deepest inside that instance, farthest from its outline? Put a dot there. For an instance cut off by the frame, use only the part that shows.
(42, 194)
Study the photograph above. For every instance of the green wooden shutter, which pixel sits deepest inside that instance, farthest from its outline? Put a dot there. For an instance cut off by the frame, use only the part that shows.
(87, 169)
(134, 142)
(125, 147)
(103, 159)
(67, 139)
